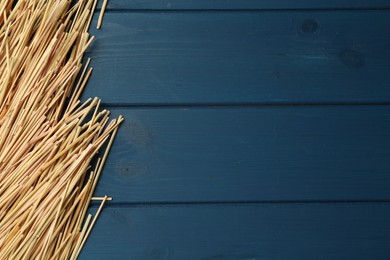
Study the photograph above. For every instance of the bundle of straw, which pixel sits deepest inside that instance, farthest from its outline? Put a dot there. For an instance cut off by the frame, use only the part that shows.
(47, 137)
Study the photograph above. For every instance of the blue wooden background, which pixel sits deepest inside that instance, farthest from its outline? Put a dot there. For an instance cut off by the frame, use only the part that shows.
(255, 129)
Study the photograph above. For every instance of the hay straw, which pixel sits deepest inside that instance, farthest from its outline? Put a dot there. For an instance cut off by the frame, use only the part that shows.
(102, 11)
(48, 138)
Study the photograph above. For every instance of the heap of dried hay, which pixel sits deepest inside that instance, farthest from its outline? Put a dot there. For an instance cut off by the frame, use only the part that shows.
(47, 137)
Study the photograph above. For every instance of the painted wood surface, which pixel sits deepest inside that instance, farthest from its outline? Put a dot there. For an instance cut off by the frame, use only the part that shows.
(243, 231)
(299, 57)
(232, 5)
(250, 154)
(254, 129)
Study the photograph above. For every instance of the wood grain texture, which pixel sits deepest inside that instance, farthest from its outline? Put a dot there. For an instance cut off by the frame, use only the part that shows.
(195, 181)
(299, 57)
(300, 231)
(242, 4)
(250, 154)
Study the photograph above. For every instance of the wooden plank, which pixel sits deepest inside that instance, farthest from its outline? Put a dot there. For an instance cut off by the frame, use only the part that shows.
(250, 154)
(303, 231)
(241, 4)
(247, 57)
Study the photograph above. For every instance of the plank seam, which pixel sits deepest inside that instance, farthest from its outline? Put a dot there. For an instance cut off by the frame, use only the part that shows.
(238, 10)
(213, 105)
(259, 202)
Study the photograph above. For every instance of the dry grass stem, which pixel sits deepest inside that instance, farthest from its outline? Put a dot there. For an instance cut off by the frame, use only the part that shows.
(48, 137)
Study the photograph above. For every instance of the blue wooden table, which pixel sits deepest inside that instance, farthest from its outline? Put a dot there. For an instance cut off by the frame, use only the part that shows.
(255, 129)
